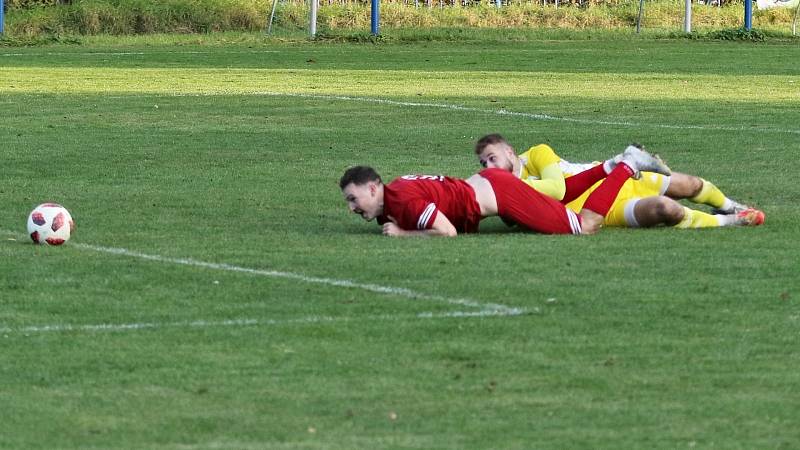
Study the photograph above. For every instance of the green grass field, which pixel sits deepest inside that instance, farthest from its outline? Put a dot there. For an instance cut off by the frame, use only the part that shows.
(218, 294)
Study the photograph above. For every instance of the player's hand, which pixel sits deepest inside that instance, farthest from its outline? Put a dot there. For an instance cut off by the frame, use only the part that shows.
(391, 228)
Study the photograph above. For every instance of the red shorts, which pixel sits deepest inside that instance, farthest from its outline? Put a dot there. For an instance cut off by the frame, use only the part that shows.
(523, 205)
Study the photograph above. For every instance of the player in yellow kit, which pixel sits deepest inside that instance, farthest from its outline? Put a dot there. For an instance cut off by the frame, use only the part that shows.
(648, 201)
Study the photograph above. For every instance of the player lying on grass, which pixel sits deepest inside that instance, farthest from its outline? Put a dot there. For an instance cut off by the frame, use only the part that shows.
(435, 205)
(644, 202)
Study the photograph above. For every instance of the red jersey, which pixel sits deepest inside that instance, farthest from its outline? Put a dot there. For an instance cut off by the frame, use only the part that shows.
(414, 201)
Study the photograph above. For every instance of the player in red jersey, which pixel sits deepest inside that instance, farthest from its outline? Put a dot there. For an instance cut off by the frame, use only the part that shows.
(435, 205)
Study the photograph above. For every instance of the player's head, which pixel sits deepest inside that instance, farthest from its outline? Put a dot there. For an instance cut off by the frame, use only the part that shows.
(494, 152)
(363, 191)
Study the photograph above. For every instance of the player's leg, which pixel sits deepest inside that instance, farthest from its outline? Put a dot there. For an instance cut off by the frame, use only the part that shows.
(693, 218)
(683, 186)
(660, 210)
(578, 184)
(701, 191)
(517, 203)
(641, 203)
(649, 185)
(657, 210)
(699, 219)
(600, 201)
(635, 157)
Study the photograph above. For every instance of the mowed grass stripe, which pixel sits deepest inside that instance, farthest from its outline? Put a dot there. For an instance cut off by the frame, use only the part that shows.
(533, 116)
(752, 128)
(402, 83)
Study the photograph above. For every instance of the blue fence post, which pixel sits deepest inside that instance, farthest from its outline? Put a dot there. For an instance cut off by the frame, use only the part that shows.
(2, 16)
(374, 18)
(748, 15)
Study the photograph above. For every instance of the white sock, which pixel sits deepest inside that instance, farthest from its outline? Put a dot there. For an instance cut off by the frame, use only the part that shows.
(726, 219)
(728, 204)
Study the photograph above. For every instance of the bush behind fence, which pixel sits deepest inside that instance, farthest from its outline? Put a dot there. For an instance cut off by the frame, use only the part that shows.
(27, 4)
(117, 17)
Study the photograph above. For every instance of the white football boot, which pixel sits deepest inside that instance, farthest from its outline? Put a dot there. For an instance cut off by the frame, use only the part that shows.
(734, 208)
(639, 160)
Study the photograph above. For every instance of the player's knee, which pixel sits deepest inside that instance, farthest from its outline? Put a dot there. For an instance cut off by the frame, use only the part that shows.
(694, 185)
(688, 186)
(684, 186)
(668, 211)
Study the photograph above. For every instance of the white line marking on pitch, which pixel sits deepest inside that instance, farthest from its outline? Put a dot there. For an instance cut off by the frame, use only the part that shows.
(534, 116)
(402, 292)
(61, 328)
(483, 309)
(140, 326)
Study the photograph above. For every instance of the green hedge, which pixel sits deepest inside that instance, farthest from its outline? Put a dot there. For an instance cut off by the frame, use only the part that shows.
(90, 17)
(21, 4)
(121, 17)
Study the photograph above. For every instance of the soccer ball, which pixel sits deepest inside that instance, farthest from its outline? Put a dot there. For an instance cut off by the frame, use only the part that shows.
(50, 223)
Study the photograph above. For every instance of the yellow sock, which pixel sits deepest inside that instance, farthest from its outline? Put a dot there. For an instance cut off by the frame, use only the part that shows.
(710, 195)
(697, 219)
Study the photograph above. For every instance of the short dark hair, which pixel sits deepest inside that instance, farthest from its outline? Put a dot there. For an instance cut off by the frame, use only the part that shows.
(489, 139)
(359, 175)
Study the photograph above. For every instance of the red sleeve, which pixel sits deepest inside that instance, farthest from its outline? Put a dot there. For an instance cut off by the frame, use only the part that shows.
(415, 215)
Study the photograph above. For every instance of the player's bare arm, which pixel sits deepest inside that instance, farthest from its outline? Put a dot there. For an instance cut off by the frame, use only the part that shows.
(441, 227)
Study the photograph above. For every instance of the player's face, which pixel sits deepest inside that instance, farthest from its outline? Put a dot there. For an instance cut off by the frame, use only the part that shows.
(497, 156)
(363, 200)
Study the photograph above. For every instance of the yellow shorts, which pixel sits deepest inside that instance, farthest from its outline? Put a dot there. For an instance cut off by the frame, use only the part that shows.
(649, 185)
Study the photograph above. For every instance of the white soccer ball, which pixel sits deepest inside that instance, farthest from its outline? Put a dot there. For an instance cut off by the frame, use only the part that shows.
(50, 223)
